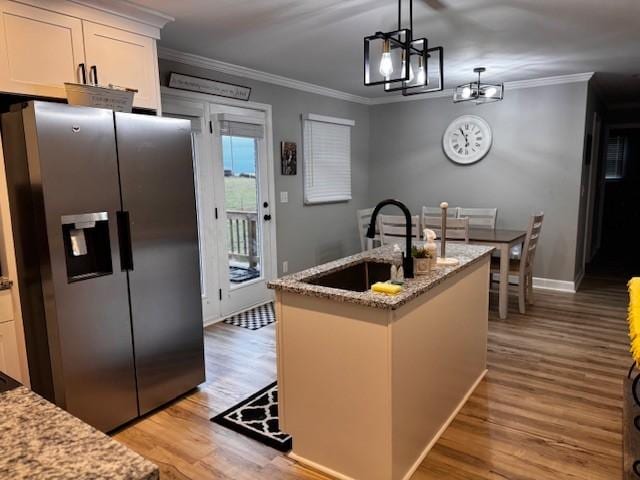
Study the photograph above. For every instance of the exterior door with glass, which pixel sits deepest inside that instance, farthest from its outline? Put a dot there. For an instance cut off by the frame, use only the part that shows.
(243, 206)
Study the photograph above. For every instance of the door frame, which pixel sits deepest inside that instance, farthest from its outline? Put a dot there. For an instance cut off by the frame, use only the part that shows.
(592, 179)
(176, 97)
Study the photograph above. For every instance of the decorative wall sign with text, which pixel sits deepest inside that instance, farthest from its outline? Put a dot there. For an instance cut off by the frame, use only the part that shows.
(205, 85)
(288, 157)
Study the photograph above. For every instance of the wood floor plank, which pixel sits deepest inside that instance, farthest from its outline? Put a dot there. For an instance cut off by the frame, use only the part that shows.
(549, 408)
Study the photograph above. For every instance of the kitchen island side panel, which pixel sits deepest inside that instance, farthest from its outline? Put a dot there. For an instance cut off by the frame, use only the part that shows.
(334, 379)
(439, 352)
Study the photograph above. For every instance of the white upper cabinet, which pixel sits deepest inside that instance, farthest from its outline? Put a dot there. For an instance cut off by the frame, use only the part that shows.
(124, 59)
(43, 44)
(39, 50)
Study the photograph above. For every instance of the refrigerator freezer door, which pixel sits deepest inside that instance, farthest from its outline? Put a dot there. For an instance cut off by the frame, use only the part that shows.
(156, 175)
(72, 161)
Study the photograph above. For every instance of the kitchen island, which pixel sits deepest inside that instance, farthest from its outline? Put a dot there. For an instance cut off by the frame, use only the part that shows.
(42, 441)
(368, 382)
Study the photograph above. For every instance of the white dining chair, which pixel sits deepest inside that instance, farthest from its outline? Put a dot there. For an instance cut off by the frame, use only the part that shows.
(452, 212)
(457, 228)
(393, 228)
(364, 219)
(479, 217)
(523, 267)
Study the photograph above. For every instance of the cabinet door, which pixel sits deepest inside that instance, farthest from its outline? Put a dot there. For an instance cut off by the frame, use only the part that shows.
(39, 50)
(9, 363)
(124, 59)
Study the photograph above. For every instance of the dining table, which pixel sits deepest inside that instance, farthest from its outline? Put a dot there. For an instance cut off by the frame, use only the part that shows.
(503, 241)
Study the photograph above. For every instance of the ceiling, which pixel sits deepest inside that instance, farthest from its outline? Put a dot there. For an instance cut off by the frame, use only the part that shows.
(320, 41)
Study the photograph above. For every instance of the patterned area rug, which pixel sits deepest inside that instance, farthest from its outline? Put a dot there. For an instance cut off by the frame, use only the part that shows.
(253, 319)
(257, 418)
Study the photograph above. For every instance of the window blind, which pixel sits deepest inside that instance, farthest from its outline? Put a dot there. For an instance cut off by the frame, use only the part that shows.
(327, 159)
(196, 122)
(241, 126)
(616, 151)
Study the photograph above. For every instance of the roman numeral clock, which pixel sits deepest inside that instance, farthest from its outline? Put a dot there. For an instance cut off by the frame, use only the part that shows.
(467, 139)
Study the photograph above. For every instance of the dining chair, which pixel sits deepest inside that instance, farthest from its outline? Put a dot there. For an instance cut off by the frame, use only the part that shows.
(393, 227)
(479, 217)
(452, 212)
(523, 266)
(457, 228)
(364, 219)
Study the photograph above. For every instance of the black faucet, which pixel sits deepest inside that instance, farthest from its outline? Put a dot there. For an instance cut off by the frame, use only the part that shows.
(407, 259)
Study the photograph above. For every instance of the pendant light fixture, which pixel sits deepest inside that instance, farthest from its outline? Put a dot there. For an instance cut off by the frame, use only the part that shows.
(401, 63)
(478, 91)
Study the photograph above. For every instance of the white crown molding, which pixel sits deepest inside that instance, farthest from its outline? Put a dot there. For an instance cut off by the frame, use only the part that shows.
(131, 11)
(515, 85)
(245, 72)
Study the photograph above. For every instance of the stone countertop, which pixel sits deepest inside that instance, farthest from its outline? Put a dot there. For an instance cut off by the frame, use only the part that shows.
(413, 287)
(40, 441)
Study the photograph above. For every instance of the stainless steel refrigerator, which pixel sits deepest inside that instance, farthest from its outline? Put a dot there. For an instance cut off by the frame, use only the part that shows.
(105, 231)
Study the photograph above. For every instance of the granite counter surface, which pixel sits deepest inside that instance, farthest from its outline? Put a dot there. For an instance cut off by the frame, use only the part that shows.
(413, 287)
(39, 441)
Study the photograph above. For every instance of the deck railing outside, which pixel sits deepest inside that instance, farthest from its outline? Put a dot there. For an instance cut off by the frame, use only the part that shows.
(242, 237)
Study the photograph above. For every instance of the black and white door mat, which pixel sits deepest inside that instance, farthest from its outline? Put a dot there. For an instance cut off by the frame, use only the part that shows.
(253, 319)
(257, 418)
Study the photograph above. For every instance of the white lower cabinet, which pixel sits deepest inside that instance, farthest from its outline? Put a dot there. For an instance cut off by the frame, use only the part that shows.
(9, 363)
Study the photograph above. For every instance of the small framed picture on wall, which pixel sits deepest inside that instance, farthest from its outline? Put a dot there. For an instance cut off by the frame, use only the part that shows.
(289, 158)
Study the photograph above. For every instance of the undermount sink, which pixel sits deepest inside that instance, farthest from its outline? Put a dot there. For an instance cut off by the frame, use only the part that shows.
(355, 278)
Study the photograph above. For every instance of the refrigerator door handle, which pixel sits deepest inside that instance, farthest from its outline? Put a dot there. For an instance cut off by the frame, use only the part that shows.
(124, 237)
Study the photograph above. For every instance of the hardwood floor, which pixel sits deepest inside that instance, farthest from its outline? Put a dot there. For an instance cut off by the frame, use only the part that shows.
(549, 408)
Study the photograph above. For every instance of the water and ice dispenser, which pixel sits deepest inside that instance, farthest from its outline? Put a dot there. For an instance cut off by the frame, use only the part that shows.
(86, 245)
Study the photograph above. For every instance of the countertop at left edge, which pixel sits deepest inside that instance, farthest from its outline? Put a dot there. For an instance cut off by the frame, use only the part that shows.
(40, 440)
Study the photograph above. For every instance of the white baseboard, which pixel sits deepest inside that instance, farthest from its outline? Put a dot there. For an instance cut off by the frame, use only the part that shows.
(578, 280)
(213, 320)
(416, 464)
(553, 284)
(546, 283)
(318, 467)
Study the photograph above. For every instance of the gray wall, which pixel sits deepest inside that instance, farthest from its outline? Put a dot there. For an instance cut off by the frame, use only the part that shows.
(306, 235)
(535, 163)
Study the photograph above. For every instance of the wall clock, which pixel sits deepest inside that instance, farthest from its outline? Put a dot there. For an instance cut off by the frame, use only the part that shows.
(467, 139)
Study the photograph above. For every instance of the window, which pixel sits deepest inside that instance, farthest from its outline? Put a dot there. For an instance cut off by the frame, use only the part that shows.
(327, 159)
(616, 156)
(241, 162)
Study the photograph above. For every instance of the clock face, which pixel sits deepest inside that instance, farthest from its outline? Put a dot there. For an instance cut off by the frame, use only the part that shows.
(467, 139)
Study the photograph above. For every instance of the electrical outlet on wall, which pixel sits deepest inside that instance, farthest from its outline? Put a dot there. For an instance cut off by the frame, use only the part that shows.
(284, 197)
(285, 266)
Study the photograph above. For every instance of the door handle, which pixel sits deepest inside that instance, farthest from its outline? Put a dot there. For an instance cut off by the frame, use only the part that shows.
(83, 73)
(94, 70)
(124, 240)
(267, 217)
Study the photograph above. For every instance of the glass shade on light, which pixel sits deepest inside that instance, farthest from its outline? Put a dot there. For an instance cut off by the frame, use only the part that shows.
(383, 57)
(478, 92)
(429, 77)
(416, 63)
(386, 64)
